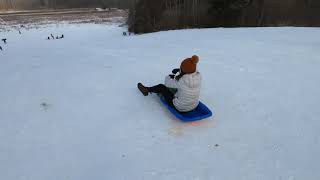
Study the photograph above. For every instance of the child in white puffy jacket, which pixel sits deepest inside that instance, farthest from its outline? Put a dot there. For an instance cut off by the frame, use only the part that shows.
(187, 83)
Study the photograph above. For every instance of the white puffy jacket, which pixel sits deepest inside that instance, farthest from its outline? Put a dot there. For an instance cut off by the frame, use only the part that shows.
(187, 97)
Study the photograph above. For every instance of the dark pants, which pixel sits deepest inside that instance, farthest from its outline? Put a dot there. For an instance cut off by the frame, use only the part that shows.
(165, 92)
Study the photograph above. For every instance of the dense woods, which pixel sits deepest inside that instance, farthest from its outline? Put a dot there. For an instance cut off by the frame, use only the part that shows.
(150, 15)
(154, 15)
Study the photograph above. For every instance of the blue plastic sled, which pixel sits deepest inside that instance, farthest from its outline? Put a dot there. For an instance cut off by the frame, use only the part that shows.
(201, 112)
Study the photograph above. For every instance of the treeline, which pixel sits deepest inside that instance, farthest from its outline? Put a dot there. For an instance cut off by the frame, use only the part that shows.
(60, 4)
(154, 15)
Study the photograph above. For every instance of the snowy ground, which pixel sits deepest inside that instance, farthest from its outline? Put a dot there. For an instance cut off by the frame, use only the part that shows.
(44, 18)
(69, 108)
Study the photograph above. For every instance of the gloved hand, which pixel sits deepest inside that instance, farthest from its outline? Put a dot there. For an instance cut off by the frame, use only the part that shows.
(175, 71)
(171, 76)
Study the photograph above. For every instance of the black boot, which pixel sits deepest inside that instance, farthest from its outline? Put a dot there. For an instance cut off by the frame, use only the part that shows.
(144, 90)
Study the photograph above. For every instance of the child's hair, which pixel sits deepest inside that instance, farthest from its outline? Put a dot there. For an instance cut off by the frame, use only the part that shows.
(180, 75)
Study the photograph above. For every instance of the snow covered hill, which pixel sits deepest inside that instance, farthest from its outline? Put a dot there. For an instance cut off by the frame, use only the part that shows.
(70, 110)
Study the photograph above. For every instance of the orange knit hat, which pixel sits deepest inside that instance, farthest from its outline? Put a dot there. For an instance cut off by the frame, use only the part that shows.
(189, 65)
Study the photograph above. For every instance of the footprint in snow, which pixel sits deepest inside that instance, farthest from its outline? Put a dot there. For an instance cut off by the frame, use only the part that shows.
(45, 106)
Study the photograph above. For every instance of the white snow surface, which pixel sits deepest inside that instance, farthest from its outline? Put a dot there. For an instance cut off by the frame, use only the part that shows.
(70, 110)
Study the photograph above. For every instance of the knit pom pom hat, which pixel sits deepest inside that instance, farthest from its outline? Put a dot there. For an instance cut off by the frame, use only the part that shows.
(189, 65)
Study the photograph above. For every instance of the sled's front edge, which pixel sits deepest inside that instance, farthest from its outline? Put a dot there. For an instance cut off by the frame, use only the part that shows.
(200, 113)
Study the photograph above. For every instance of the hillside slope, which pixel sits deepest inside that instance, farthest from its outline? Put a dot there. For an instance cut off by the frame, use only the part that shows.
(69, 108)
